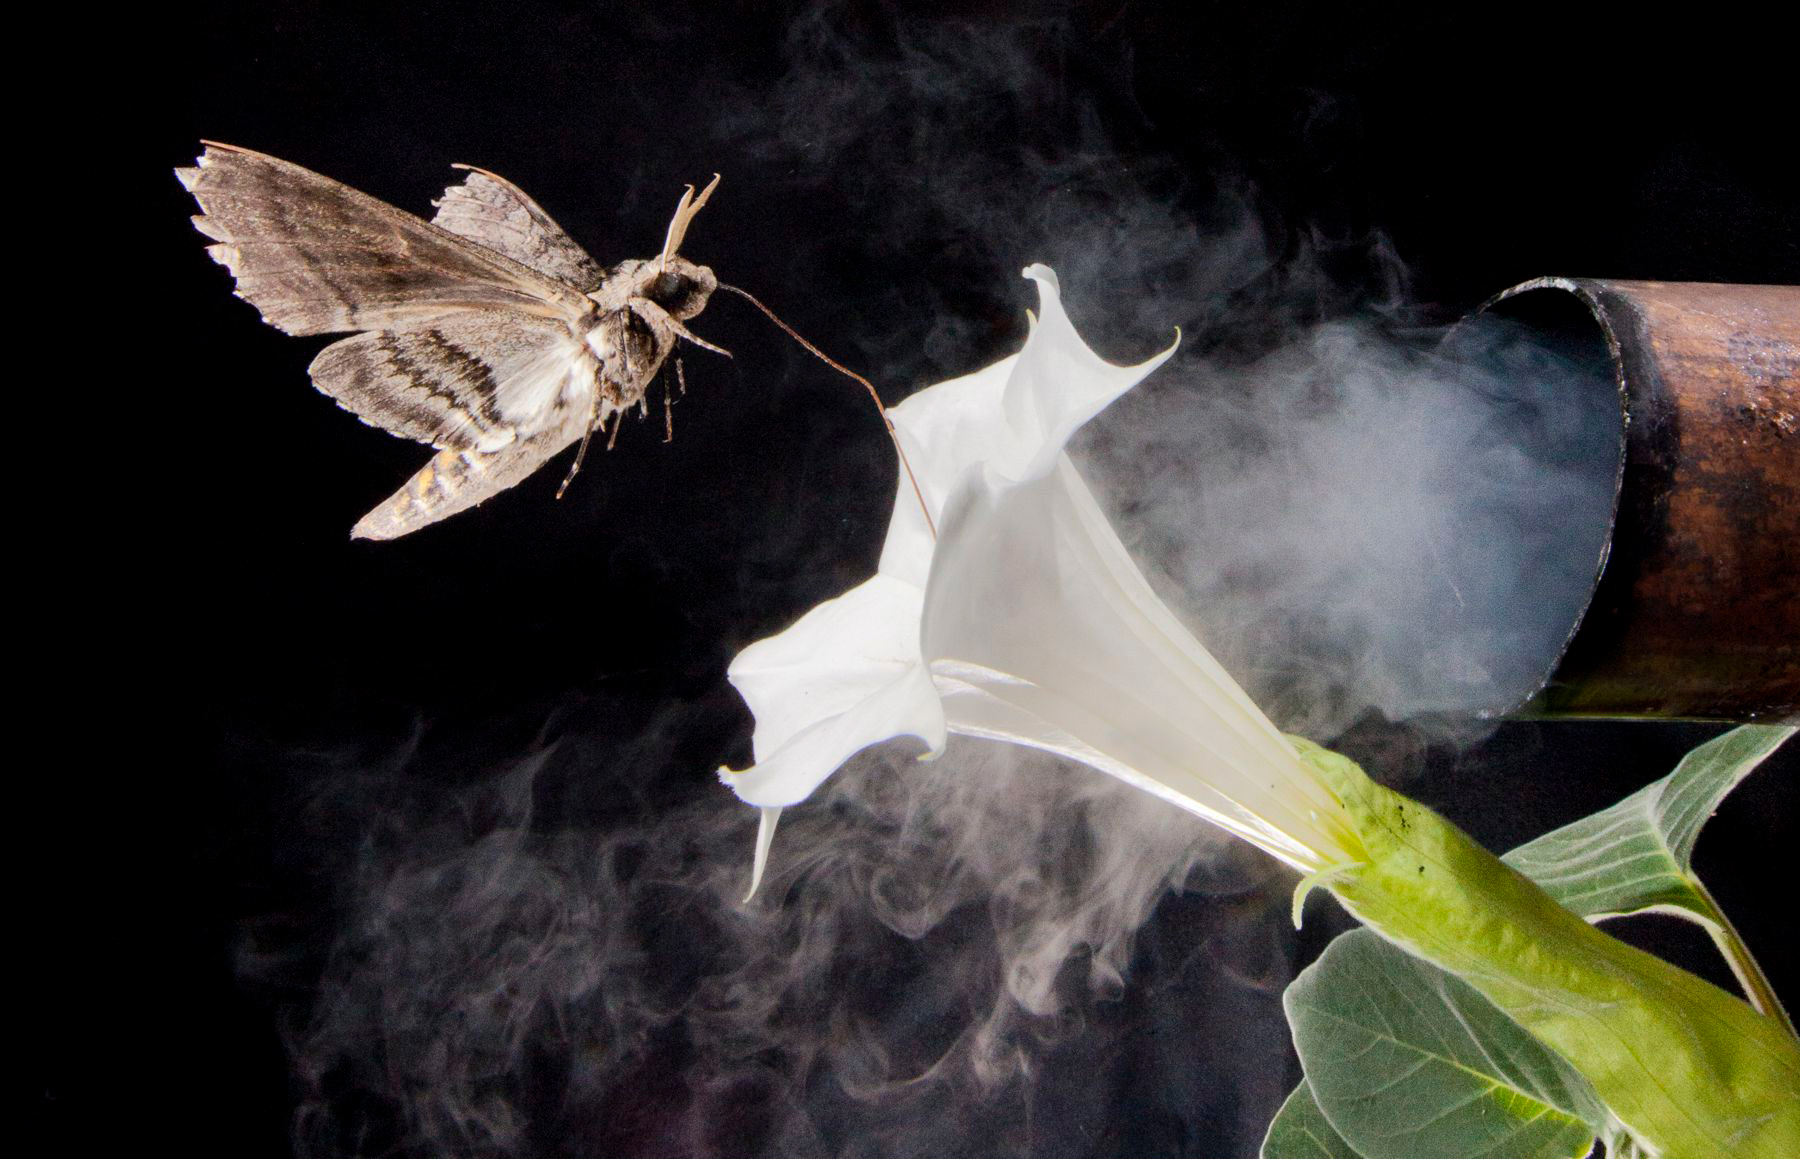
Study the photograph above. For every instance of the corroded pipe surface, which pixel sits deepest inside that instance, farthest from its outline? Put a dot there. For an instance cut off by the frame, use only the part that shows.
(1696, 612)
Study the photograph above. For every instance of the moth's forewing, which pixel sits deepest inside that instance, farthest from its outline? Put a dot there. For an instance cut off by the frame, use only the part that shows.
(318, 257)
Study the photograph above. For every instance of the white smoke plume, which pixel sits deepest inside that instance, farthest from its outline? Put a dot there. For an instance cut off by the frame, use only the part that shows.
(1363, 522)
(933, 939)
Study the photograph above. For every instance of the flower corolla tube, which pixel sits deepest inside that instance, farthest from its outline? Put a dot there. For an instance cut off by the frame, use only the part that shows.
(1023, 619)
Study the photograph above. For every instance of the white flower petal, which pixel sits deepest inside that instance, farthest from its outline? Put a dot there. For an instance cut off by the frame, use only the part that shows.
(1013, 417)
(847, 675)
(1041, 631)
(767, 818)
(944, 430)
(1058, 385)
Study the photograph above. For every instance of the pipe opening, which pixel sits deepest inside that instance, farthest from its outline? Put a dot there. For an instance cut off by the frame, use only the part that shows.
(1692, 614)
(1563, 409)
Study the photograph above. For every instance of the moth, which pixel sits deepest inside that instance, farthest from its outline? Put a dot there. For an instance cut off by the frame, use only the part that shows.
(485, 332)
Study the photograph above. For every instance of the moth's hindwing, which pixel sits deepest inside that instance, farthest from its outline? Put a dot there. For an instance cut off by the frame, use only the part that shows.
(465, 381)
(491, 211)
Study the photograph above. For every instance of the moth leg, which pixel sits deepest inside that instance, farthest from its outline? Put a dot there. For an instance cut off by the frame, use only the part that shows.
(617, 423)
(681, 375)
(669, 407)
(653, 313)
(586, 435)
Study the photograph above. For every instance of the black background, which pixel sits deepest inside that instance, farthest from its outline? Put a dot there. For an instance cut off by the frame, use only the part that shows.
(265, 650)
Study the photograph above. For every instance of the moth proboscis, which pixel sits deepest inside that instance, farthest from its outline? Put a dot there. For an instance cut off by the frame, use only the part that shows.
(486, 332)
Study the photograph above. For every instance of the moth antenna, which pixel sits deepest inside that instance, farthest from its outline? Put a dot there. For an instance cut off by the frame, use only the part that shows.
(685, 209)
(581, 453)
(880, 407)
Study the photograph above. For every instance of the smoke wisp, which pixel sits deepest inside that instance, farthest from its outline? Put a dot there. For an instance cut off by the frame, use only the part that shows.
(932, 940)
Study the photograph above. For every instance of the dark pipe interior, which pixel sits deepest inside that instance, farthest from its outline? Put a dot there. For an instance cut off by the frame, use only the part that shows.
(1563, 409)
(1562, 324)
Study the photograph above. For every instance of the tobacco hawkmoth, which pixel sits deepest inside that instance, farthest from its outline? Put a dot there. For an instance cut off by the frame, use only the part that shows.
(485, 332)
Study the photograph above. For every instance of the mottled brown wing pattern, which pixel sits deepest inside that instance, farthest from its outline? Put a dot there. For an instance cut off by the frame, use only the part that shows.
(317, 257)
(465, 381)
(491, 211)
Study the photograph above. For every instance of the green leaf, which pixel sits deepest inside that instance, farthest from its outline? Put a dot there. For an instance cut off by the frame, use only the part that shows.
(1406, 1062)
(1637, 855)
(1300, 1130)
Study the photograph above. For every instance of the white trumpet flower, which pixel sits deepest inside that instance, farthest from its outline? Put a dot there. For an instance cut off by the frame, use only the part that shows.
(1022, 618)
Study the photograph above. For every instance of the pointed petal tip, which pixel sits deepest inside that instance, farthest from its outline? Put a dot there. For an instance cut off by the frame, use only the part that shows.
(1049, 289)
(1163, 355)
(765, 837)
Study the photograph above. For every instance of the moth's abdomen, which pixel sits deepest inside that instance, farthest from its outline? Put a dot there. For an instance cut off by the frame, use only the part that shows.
(455, 481)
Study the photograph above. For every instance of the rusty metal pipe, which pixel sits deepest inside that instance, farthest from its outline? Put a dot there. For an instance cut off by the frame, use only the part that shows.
(1695, 612)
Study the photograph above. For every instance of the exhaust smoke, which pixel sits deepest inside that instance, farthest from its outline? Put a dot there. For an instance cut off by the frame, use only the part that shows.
(933, 940)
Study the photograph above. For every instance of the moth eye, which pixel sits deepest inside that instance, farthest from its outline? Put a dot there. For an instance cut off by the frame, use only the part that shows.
(669, 288)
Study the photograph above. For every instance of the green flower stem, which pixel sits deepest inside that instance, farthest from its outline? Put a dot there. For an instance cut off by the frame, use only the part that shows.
(1690, 1071)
